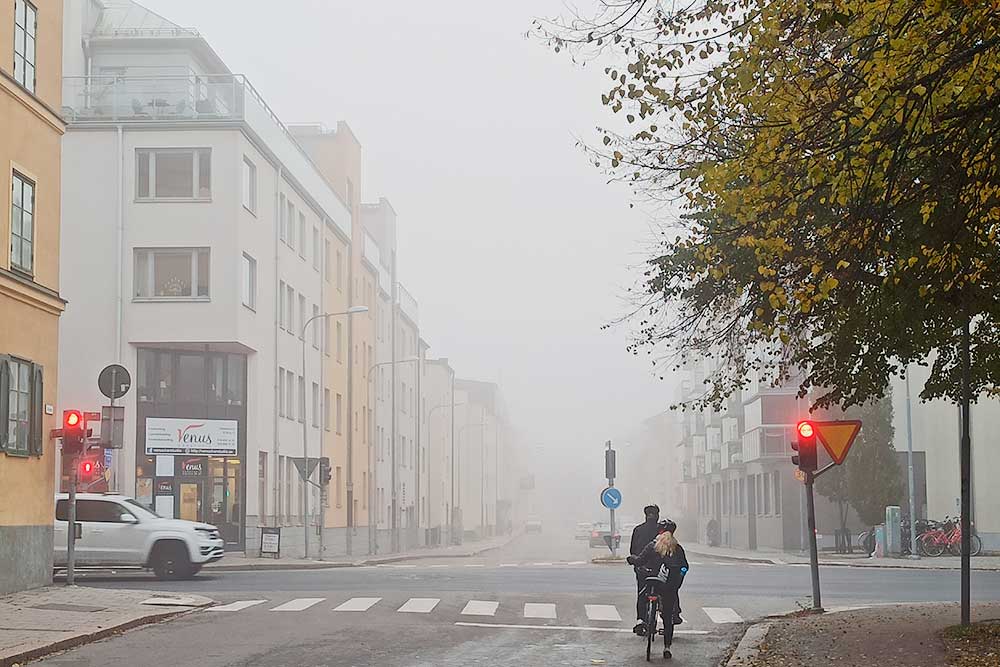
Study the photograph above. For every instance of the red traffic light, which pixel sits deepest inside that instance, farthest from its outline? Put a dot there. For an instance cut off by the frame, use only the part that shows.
(72, 419)
(87, 468)
(806, 430)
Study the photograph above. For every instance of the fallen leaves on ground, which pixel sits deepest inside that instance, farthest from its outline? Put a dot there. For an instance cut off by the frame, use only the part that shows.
(977, 645)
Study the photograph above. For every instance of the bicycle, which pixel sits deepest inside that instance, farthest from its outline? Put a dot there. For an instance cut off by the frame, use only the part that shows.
(654, 604)
(948, 535)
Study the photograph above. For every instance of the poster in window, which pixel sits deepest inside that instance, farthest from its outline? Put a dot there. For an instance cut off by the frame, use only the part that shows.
(144, 491)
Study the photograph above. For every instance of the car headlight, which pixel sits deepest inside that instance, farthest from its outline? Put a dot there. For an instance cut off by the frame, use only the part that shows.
(207, 533)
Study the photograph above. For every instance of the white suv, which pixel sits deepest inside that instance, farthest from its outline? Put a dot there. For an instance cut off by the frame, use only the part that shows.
(118, 531)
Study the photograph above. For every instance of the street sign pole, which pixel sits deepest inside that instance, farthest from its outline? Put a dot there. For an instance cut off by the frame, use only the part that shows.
(817, 604)
(71, 521)
(609, 470)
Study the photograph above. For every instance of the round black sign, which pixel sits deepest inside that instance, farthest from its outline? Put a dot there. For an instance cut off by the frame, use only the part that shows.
(114, 381)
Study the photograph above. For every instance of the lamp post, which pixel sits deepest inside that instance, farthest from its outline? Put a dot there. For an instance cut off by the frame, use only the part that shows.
(372, 542)
(305, 422)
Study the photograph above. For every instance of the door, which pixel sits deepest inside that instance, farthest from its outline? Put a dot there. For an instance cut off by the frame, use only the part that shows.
(86, 549)
(110, 532)
(189, 502)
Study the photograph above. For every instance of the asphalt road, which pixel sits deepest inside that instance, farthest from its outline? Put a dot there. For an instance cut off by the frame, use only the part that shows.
(538, 601)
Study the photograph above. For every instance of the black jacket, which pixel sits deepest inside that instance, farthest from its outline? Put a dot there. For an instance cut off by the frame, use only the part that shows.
(650, 561)
(642, 535)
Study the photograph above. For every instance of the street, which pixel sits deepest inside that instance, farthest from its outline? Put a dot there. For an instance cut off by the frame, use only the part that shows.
(537, 601)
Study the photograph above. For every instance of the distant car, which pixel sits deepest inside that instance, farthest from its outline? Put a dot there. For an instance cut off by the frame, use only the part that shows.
(583, 530)
(533, 526)
(597, 534)
(118, 531)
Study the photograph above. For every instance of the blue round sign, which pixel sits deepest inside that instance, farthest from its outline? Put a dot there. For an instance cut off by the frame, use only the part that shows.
(611, 498)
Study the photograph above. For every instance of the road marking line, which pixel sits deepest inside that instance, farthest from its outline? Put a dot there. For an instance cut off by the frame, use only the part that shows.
(541, 564)
(539, 610)
(437, 566)
(694, 563)
(514, 626)
(602, 612)
(480, 608)
(237, 606)
(474, 565)
(298, 604)
(419, 605)
(402, 566)
(357, 604)
(509, 564)
(722, 615)
(577, 562)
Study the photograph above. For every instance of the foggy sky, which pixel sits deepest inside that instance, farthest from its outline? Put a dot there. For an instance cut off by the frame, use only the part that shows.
(513, 245)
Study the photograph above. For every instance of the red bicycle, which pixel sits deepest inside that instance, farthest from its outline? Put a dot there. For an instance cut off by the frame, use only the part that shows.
(948, 535)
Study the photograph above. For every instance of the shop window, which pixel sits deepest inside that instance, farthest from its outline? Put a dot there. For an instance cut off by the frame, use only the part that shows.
(236, 385)
(171, 273)
(191, 378)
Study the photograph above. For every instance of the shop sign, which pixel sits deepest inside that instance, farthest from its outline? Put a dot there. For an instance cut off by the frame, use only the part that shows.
(270, 541)
(165, 487)
(192, 467)
(208, 437)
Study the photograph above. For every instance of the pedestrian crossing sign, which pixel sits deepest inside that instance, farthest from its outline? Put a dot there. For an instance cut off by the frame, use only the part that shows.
(837, 437)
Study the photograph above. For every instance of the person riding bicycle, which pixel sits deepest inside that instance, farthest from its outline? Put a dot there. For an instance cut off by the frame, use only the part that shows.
(664, 551)
(642, 535)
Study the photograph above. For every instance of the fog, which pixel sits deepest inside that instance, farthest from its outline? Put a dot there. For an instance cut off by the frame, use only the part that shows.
(514, 245)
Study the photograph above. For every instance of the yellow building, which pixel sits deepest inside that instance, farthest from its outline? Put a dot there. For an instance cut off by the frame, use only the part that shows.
(30, 134)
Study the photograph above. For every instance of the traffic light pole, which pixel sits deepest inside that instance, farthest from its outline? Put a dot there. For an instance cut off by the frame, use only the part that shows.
(71, 521)
(817, 604)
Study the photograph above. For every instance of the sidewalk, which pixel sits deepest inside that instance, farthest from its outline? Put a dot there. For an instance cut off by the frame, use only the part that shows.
(774, 557)
(898, 635)
(239, 562)
(45, 620)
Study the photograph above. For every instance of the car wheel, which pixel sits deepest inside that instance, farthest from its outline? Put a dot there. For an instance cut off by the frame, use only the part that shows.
(171, 561)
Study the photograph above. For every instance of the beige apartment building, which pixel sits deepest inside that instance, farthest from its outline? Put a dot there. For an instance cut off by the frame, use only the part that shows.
(30, 305)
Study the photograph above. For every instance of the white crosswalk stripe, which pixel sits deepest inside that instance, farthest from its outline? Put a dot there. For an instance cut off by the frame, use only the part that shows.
(722, 614)
(298, 605)
(577, 562)
(539, 610)
(237, 606)
(419, 605)
(480, 608)
(508, 564)
(602, 612)
(357, 604)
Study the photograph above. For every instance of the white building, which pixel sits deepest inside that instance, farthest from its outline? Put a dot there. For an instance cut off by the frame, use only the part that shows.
(196, 243)
(437, 384)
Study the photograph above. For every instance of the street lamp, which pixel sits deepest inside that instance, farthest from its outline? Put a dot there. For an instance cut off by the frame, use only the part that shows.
(353, 310)
(372, 476)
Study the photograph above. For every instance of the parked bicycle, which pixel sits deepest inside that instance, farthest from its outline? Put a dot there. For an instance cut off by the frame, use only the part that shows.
(947, 535)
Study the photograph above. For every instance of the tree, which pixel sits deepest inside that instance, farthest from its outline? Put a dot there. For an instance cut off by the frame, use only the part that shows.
(869, 479)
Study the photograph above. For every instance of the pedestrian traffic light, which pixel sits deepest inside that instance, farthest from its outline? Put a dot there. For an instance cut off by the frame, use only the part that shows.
(805, 445)
(86, 469)
(324, 471)
(74, 432)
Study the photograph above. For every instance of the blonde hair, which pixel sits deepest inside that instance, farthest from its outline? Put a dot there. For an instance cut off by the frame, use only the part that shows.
(666, 544)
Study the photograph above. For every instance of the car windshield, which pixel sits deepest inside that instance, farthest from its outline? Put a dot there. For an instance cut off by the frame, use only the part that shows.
(140, 509)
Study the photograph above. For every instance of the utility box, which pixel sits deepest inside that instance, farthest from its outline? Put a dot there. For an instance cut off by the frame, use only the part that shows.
(893, 530)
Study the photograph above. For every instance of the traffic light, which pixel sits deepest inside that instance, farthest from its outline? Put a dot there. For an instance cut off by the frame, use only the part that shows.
(74, 432)
(324, 471)
(805, 445)
(87, 468)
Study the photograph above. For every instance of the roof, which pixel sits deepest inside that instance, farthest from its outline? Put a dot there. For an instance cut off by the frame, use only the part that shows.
(128, 18)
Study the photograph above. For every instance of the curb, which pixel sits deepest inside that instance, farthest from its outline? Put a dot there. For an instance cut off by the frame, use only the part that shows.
(749, 646)
(740, 559)
(829, 563)
(87, 638)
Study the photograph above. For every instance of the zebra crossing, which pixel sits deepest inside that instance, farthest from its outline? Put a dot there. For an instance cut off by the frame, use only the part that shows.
(483, 609)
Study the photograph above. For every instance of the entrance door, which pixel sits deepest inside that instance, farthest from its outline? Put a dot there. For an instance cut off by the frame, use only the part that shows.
(189, 505)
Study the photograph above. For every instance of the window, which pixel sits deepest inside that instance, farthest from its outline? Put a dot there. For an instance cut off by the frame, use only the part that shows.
(100, 511)
(281, 392)
(340, 342)
(291, 224)
(290, 312)
(316, 326)
(21, 407)
(340, 270)
(340, 414)
(741, 496)
(326, 336)
(767, 492)
(281, 304)
(22, 224)
(249, 186)
(290, 395)
(315, 405)
(25, 33)
(302, 235)
(249, 282)
(777, 493)
(339, 488)
(171, 273)
(316, 248)
(173, 173)
(302, 315)
(402, 408)
(283, 220)
(326, 260)
(326, 409)
(302, 400)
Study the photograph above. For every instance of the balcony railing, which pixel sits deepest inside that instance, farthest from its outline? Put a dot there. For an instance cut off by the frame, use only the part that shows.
(155, 98)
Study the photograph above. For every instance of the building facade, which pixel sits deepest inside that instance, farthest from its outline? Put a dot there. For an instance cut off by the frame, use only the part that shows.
(30, 302)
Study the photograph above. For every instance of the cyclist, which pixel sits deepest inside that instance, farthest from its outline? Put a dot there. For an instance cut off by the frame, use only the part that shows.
(642, 535)
(664, 551)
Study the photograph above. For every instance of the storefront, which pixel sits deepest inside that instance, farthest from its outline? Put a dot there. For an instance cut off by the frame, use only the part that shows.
(191, 437)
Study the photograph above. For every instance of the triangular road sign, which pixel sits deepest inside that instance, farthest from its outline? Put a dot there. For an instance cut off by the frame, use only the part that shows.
(837, 437)
(305, 467)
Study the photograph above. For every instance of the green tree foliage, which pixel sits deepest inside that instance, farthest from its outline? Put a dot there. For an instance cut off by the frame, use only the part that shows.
(835, 165)
(869, 479)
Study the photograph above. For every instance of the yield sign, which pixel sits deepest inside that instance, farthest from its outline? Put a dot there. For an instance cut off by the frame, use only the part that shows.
(837, 437)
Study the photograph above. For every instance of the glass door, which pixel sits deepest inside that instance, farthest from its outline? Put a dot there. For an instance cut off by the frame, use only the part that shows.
(189, 502)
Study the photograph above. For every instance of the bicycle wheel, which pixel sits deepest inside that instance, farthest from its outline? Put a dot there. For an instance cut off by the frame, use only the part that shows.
(651, 614)
(862, 536)
(976, 546)
(869, 543)
(931, 545)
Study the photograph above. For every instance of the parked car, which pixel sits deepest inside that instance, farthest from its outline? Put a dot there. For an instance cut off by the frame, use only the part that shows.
(118, 531)
(583, 530)
(597, 534)
(533, 525)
